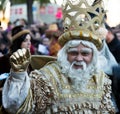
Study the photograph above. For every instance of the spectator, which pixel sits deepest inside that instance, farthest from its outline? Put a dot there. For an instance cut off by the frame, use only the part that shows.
(53, 34)
(20, 39)
(3, 47)
(113, 43)
(114, 46)
(43, 48)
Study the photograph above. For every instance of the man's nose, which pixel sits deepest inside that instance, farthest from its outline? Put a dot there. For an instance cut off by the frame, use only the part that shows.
(79, 57)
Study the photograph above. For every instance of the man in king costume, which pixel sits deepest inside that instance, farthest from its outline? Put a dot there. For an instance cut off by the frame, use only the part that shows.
(74, 83)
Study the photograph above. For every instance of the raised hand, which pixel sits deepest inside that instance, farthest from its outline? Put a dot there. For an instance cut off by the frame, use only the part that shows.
(20, 60)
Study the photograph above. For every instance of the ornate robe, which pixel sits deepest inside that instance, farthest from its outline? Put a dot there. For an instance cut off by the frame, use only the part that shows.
(51, 93)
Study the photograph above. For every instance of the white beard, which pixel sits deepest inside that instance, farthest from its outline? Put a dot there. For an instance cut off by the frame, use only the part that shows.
(78, 77)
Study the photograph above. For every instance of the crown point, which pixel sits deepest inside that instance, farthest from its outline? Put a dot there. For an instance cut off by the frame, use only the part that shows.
(82, 19)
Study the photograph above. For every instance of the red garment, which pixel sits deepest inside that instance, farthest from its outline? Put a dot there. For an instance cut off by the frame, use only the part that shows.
(32, 50)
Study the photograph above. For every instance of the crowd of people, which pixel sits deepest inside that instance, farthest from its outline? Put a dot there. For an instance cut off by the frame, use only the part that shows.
(40, 39)
(44, 34)
(81, 73)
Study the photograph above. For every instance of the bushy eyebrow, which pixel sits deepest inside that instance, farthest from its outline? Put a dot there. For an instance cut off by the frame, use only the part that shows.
(83, 49)
(87, 50)
(71, 49)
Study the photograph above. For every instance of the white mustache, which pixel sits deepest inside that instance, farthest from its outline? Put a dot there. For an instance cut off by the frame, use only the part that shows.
(78, 63)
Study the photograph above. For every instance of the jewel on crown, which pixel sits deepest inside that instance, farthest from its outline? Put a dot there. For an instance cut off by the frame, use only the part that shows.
(83, 15)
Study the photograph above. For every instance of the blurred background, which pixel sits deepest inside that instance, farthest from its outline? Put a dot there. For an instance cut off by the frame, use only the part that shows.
(33, 11)
(44, 19)
(46, 11)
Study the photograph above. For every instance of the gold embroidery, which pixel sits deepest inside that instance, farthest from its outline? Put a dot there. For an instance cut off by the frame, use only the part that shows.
(48, 71)
(52, 79)
(64, 85)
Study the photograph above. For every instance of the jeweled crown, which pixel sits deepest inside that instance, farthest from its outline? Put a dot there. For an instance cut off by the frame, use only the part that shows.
(82, 18)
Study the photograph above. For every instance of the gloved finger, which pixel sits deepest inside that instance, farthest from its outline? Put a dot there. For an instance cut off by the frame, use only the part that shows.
(21, 55)
(13, 59)
(15, 67)
(17, 57)
(24, 53)
(25, 65)
(28, 53)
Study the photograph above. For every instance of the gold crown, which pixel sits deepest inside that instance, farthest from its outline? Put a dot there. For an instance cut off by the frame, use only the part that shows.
(82, 20)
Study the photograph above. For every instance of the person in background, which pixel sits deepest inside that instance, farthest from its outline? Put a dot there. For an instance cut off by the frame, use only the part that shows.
(113, 43)
(53, 34)
(23, 22)
(3, 47)
(10, 26)
(43, 47)
(74, 83)
(21, 38)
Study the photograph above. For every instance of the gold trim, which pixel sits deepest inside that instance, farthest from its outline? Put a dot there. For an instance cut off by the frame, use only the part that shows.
(79, 35)
(27, 105)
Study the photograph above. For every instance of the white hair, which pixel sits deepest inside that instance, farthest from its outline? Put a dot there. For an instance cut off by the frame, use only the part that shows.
(78, 77)
(106, 59)
(62, 54)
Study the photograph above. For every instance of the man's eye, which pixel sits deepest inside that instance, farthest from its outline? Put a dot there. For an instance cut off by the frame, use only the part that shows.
(85, 53)
(73, 53)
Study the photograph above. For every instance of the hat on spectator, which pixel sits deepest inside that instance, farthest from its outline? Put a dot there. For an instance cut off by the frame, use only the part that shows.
(53, 31)
(18, 31)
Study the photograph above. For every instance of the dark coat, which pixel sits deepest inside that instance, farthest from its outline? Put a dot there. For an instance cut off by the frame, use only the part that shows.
(5, 64)
(116, 84)
(4, 68)
(114, 47)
